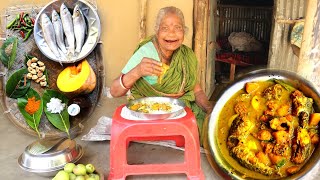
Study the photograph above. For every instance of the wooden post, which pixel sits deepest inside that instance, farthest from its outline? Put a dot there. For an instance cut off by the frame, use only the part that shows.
(232, 71)
(309, 59)
(200, 39)
(142, 20)
(211, 49)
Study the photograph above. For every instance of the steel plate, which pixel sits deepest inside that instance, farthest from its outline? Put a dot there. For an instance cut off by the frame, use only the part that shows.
(151, 116)
(217, 161)
(93, 27)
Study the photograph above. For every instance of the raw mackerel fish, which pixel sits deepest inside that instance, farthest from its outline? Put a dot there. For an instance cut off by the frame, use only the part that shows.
(57, 25)
(49, 35)
(79, 25)
(67, 25)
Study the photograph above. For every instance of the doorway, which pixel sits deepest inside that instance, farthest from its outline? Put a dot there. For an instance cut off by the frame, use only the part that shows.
(243, 32)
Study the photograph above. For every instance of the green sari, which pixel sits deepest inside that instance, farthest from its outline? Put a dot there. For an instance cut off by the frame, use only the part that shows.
(179, 80)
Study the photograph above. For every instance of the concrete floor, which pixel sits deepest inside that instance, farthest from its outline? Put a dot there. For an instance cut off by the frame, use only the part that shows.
(14, 142)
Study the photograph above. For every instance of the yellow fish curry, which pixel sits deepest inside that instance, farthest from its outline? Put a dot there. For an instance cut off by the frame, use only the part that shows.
(269, 129)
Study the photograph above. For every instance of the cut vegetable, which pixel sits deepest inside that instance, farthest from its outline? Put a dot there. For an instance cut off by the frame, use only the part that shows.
(284, 110)
(255, 102)
(251, 87)
(314, 119)
(79, 79)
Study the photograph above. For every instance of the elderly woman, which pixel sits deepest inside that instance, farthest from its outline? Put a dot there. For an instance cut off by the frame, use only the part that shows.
(145, 73)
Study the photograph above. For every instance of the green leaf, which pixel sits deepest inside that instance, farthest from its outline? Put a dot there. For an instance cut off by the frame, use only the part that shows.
(8, 51)
(33, 120)
(58, 120)
(17, 86)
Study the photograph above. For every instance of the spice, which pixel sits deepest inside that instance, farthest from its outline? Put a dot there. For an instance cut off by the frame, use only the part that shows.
(55, 105)
(32, 105)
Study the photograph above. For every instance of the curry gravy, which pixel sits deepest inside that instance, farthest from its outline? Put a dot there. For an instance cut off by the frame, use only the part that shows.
(228, 114)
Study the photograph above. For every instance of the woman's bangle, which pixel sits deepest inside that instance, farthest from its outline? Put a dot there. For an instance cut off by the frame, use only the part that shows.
(121, 83)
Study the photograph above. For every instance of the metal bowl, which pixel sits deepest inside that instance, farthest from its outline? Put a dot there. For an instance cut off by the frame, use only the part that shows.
(93, 29)
(48, 164)
(226, 168)
(165, 115)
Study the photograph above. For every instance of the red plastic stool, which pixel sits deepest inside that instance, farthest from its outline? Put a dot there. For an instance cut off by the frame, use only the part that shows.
(183, 130)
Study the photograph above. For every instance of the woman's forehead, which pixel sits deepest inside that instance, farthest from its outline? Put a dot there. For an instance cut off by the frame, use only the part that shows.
(170, 18)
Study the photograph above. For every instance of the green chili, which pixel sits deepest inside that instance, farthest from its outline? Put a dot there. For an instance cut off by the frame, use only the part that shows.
(28, 34)
(13, 22)
(21, 28)
(27, 20)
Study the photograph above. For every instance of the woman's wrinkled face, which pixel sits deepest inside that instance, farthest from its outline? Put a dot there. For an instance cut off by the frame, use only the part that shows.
(171, 32)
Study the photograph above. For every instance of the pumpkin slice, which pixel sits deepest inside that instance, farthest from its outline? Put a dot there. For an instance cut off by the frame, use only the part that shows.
(79, 79)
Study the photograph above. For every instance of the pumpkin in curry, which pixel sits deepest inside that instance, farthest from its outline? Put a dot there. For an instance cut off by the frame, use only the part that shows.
(270, 128)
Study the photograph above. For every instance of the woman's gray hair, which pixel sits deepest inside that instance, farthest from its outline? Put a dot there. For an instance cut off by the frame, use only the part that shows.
(166, 10)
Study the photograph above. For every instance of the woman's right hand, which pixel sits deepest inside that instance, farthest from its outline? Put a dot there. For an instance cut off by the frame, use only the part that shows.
(149, 67)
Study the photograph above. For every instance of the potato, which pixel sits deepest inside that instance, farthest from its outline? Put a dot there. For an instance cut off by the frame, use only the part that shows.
(251, 87)
(255, 102)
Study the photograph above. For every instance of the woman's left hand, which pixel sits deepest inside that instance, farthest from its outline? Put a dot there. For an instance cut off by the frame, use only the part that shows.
(202, 100)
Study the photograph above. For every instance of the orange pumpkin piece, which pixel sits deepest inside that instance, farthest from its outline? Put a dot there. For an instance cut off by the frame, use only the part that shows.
(263, 158)
(284, 110)
(314, 119)
(79, 79)
(293, 169)
(315, 139)
(279, 161)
